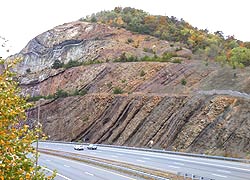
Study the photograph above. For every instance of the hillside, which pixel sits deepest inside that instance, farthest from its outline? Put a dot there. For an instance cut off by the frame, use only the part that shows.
(204, 44)
(104, 84)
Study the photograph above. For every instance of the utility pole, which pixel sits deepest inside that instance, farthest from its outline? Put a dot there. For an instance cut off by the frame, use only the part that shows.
(38, 125)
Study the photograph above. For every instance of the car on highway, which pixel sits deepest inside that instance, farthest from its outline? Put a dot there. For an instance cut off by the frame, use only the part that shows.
(92, 147)
(78, 147)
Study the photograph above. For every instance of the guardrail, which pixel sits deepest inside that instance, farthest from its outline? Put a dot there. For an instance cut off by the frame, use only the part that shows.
(161, 151)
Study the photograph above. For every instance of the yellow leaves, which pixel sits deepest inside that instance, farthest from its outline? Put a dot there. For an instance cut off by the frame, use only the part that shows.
(11, 150)
(27, 176)
(2, 142)
(26, 126)
(15, 138)
(119, 21)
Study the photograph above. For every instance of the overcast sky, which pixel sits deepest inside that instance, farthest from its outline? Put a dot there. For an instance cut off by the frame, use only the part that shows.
(22, 20)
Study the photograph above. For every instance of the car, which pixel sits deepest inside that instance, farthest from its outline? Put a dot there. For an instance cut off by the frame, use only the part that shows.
(78, 147)
(92, 147)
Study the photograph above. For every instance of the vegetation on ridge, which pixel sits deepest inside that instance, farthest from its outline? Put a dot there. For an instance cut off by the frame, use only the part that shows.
(210, 46)
(59, 94)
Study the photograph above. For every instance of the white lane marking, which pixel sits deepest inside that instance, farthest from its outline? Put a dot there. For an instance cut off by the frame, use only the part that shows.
(114, 156)
(224, 171)
(219, 175)
(89, 173)
(185, 160)
(180, 159)
(118, 154)
(146, 158)
(173, 166)
(57, 173)
(111, 172)
(178, 163)
(95, 168)
(140, 160)
(48, 160)
(66, 166)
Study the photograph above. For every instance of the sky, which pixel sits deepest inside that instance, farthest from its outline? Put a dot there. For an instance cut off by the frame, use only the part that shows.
(22, 20)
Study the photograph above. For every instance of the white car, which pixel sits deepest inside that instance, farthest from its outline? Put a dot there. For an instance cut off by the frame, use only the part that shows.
(78, 147)
(92, 147)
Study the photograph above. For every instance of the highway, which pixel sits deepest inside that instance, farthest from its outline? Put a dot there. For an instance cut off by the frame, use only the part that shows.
(210, 168)
(74, 170)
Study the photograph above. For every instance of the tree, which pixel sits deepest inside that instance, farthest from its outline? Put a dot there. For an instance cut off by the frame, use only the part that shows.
(16, 137)
(240, 56)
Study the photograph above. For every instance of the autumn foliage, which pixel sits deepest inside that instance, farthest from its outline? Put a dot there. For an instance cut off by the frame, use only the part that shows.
(206, 45)
(17, 156)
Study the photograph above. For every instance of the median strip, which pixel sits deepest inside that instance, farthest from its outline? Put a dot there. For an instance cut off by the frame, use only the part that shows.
(127, 168)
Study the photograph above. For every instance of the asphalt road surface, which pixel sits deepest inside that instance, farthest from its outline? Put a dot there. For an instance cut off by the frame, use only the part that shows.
(74, 170)
(210, 168)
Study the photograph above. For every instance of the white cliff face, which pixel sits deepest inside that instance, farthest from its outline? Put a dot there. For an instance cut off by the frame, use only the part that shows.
(84, 42)
(62, 43)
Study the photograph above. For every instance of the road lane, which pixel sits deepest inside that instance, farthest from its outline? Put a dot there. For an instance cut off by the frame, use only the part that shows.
(212, 168)
(74, 170)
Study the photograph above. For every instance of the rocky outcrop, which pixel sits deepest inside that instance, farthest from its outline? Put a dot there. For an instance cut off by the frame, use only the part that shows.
(187, 106)
(86, 42)
(154, 106)
(199, 124)
(140, 77)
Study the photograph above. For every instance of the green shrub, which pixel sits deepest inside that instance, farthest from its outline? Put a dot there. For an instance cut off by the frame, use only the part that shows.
(123, 57)
(146, 58)
(167, 56)
(123, 81)
(72, 63)
(183, 82)
(117, 90)
(132, 59)
(83, 92)
(35, 98)
(57, 64)
(61, 93)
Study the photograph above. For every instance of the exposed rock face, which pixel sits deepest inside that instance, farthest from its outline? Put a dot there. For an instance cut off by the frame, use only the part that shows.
(188, 107)
(155, 106)
(214, 124)
(82, 41)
